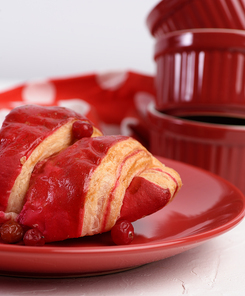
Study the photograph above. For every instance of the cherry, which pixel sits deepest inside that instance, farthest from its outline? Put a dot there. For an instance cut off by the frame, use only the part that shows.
(82, 129)
(33, 237)
(122, 232)
(11, 232)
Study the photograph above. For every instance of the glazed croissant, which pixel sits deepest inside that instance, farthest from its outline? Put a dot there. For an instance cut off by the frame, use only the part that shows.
(81, 187)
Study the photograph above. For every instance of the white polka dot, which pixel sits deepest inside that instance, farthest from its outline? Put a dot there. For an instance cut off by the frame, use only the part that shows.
(76, 105)
(3, 113)
(125, 125)
(111, 80)
(141, 101)
(42, 92)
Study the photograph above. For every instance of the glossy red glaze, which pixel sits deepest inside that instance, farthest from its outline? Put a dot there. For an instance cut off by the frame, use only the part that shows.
(200, 67)
(143, 198)
(173, 15)
(205, 207)
(22, 131)
(218, 148)
(55, 199)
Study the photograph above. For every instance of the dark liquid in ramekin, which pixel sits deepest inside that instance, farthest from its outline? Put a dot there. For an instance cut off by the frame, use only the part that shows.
(216, 119)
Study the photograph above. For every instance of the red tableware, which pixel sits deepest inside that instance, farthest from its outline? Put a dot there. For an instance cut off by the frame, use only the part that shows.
(173, 15)
(198, 214)
(200, 67)
(215, 142)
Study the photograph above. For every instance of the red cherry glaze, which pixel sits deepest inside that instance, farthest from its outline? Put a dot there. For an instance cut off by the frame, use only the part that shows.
(33, 237)
(11, 232)
(143, 198)
(82, 129)
(122, 233)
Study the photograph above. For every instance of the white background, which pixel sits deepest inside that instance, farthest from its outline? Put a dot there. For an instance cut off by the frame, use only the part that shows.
(50, 38)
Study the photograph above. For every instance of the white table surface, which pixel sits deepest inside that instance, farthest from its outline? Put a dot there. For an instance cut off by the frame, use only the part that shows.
(216, 268)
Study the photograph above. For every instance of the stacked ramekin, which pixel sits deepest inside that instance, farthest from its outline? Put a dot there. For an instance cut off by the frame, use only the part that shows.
(199, 113)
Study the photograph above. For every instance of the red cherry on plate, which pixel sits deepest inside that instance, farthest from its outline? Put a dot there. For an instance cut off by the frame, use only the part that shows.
(122, 232)
(33, 237)
(82, 129)
(11, 232)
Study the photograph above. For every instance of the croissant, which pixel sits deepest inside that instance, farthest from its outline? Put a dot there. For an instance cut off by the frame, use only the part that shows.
(87, 187)
(69, 188)
(30, 134)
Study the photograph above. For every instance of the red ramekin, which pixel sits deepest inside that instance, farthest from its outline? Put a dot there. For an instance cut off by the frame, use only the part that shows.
(200, 66)
(216, 147)
(173, 15)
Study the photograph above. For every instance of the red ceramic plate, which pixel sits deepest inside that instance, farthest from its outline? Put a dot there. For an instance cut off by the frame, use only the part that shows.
(205, 207)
